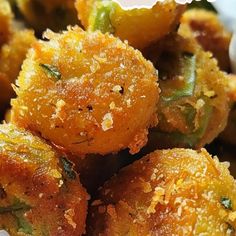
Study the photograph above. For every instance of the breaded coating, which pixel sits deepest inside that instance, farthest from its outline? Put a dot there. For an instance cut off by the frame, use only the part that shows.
(40, 193)
(139, 26)
(5, 21)
(5, 31)
(194, 103)
(14, 44)
(228, 135)
(171, 192)
(7, 116)
(48, 14)
(87, 92)
(210, 33)
(13, 53)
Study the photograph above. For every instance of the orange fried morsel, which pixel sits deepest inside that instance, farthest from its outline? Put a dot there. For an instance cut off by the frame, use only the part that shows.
(210, 33)
(232, 87)
(48, 14)
(5, 21)
(171, 192)
(14, 44)
(13, 53)
(140, 27)
(87, 92)
(194, 103)
(40, 193)
(228, 135)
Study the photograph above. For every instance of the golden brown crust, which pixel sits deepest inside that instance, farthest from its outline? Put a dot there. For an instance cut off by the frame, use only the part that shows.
(30, 172)
(232, 87)
(5, 21)
(83, 8)
(169, 192)
(210, 33)
(14, 44)
(48, 14)
(213, 83)
(228, 135)
(13, 53)
(154, 23)
(196, 119)
(105, 98)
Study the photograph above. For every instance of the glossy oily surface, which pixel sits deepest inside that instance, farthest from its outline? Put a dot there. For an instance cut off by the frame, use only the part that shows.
(40, 194)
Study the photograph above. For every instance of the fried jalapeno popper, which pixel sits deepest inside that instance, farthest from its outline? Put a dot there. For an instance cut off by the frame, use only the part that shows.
(194, 103)
(170, 192)
(13, 53)
(52, 14)
(139, 26)
(5, 21)
(87, 92)
(228, 135)
(5, 32)
(210, 33)
(14, 44)
(40, 193)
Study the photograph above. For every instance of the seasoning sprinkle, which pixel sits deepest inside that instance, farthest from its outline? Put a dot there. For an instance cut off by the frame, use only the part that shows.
(68, 168)
(226, 203)
(51, 70)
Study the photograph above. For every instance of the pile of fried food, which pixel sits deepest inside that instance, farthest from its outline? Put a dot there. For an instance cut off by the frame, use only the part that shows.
(98, 80)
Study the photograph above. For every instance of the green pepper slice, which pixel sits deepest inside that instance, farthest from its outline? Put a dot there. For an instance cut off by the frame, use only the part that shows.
(100, 17)
(183, 84)
(178, 139)
(17, 209)
(23, 225)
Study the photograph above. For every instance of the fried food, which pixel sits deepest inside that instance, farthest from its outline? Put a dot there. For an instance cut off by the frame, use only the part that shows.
(7, 116)
(169, 192)
(228, 135)
(5, 21)
(210, 33)
(13, 53)
(194, 103)
(52, 14)
(40, 193)
(87, 92)
(14, 44)
(140, 27)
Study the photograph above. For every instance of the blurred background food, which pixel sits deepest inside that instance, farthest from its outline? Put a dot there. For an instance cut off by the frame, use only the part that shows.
(54, 14)
(108, 16)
